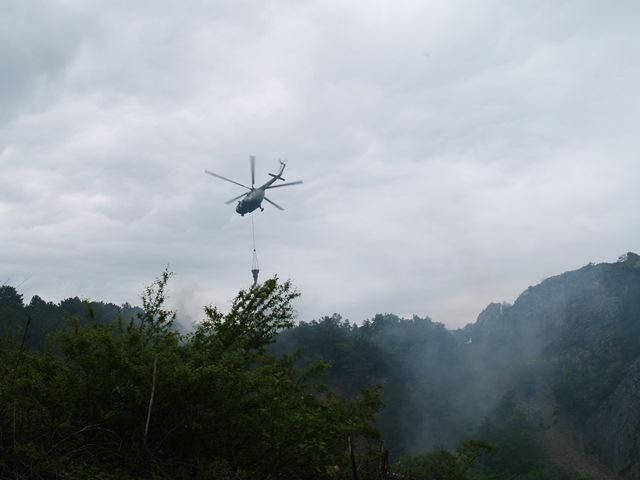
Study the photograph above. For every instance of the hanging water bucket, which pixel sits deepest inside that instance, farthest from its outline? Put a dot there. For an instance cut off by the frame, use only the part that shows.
(255, 268)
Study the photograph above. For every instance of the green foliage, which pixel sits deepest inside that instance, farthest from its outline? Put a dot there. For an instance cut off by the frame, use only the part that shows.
(12, 314)
(516, 436)
(155, 320)
(551, 474)
(256, 315)
(420, 364)
(222, 406)
(442, 464)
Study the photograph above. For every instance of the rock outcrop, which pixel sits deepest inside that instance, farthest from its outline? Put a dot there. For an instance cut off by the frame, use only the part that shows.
(613, 433)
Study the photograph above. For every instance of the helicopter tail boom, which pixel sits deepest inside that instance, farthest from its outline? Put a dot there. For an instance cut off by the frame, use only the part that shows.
(278, 176)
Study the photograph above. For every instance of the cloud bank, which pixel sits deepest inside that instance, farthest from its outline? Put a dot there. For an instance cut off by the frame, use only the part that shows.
(453, 154)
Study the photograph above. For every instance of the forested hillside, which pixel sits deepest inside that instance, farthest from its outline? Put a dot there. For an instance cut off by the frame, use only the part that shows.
(545, 388)
(551, 379)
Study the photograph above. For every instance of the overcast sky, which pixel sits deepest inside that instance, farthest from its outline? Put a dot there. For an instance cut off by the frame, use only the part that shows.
(453, 153)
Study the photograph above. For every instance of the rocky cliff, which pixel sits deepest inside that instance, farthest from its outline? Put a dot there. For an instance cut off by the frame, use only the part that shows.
(572, 344)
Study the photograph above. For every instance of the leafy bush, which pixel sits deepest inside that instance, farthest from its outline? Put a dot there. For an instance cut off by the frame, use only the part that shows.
(139, 400)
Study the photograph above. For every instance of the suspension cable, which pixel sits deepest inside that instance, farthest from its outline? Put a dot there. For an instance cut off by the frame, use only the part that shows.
(253, 233)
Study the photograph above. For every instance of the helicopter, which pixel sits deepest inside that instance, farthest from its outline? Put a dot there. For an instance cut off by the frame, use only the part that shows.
(252, 200)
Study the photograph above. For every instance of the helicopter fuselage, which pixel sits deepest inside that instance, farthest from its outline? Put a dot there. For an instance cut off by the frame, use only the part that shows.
(252, 201)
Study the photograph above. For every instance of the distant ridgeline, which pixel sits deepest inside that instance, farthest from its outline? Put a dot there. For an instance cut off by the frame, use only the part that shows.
(552, 380)
(35, 320)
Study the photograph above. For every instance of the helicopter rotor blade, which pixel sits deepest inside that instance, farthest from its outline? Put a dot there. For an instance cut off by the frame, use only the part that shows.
(252, 161)
(236, 198)
(226, 179)
(274, 204)
(298, 182)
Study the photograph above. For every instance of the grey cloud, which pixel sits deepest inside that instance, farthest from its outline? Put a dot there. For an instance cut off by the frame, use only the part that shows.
(433, 184)
(38, 40)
